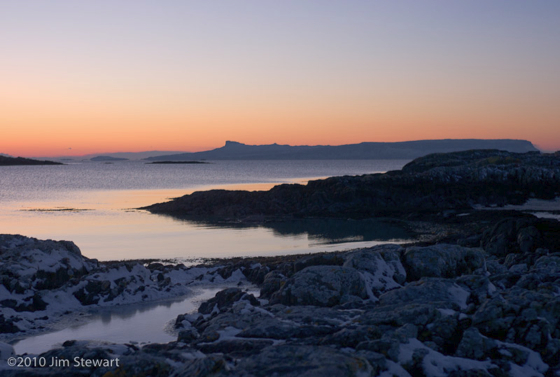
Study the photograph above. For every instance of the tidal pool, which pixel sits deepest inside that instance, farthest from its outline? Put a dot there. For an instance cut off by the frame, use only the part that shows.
(140, 324)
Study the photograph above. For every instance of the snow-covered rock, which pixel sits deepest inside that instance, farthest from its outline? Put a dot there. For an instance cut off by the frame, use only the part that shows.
(42, 280)
(380, 267)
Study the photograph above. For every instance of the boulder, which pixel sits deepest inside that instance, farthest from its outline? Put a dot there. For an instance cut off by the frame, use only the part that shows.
(520, 316)
(521, 235)
(224, 299)
(443, 293)
(474, 345)
(322, 286)
(395, 316)
(441, 260)
(272, 283)
(380, 266)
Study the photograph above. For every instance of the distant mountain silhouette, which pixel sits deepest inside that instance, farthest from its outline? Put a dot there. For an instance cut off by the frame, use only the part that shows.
(364, 151)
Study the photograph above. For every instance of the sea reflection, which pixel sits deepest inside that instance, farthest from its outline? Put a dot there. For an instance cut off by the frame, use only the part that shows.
(320, 231)
(105, 226)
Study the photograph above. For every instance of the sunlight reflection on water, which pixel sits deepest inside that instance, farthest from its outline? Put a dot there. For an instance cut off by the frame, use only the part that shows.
(91, 204)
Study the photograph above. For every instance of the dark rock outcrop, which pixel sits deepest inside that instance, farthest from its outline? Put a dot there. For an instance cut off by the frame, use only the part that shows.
(225, 299)
(7, 161)
(521, 236)
(436, 182)
(322, 286)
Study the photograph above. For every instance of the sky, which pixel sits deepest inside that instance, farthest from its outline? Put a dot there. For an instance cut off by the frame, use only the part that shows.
(81, 77)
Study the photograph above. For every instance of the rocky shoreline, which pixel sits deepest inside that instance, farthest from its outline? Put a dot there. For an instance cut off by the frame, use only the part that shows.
(451, 181)
(478, 295)
(420, 310)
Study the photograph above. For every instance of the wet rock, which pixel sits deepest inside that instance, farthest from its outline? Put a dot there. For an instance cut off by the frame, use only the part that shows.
(321, 286)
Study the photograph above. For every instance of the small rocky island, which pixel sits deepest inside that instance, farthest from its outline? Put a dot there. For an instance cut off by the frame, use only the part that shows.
(177, 162)
(108, 159)
(477, 295)
(10, 161)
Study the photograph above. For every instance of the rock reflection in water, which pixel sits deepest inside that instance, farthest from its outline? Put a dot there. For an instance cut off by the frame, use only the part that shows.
(320, 230)
(326, 231)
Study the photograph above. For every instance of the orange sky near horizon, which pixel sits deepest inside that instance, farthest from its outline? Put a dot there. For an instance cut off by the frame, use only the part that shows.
(106, 77)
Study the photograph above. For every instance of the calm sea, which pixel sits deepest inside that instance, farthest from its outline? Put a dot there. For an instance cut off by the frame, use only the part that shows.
(93, 204)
